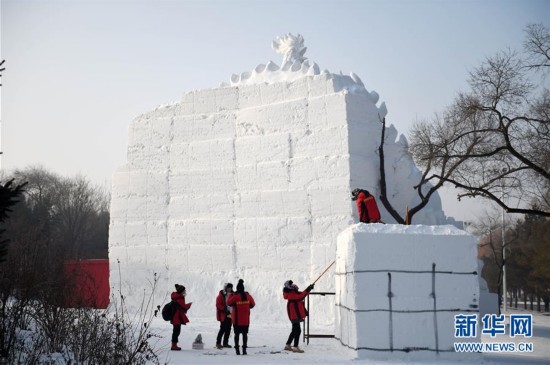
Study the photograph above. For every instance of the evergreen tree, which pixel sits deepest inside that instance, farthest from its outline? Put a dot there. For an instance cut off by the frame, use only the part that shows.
(9, 196)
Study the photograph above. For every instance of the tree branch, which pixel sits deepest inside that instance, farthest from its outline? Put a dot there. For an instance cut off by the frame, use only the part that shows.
(486, 193)
(383, 193)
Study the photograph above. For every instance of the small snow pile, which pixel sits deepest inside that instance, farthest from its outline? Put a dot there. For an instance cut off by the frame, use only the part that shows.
(399, 287)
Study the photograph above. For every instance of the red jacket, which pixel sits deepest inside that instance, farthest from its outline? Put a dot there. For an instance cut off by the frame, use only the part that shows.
(367, 208)
(295, 307)
(240, 314)
(221, 307)
(181, 308)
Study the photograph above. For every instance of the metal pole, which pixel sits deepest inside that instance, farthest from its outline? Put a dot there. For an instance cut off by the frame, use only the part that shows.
(307, 318)
(504, 294)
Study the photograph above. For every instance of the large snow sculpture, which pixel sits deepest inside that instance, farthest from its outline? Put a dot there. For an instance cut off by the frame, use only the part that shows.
(251, 180)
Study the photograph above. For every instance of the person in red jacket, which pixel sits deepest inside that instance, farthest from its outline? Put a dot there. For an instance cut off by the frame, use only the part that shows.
(242, 302)
(366, 206)
(296, 311)
(180, 316)
(223, 315)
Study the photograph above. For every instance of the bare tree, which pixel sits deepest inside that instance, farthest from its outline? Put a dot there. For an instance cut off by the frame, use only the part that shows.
(491, 248)
(537, 47)
(494, 140)
(73, 212)
(437, 152)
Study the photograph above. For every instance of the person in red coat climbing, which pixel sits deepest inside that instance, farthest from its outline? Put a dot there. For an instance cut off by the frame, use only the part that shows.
(179, 317)
(223, 315)
(366, 206)
(242, 302)
(296, 311)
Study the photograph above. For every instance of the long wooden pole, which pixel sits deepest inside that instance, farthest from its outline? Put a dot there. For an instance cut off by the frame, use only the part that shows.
(323, 273)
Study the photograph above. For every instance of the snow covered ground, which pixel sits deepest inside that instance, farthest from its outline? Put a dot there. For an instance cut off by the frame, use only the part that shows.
(266, 343)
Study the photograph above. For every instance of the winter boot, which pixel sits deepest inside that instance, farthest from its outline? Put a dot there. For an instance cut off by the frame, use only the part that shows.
(227, 346)
(297, 349)
(219, 346)
(245, 342)
(237, 350)
(175, 347)
(288, 348)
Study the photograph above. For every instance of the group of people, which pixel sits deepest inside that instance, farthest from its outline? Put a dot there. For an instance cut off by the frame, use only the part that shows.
(233, 309)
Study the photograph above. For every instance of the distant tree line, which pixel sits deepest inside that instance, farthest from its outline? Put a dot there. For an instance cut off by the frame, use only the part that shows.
(46, 220)
(67, 215)
(52, 219)
(527, 254)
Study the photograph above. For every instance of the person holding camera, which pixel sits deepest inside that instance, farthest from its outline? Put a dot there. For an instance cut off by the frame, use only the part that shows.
(180, 314)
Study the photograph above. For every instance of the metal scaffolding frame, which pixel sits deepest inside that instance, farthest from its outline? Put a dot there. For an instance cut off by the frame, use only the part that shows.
(307, 334)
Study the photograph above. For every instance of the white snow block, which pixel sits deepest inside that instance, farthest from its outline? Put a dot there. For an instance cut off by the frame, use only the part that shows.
(272, 93)
(328, 142)
(160, 132)
(317, 85)
(272, 118)
(227, 98)
(330, 202)
(205, 101)
(188, 128)
(177, 233)
(296, 90)
(187, 105)
(399, 287)
(249, 96)
(252, 150)
(117, 234)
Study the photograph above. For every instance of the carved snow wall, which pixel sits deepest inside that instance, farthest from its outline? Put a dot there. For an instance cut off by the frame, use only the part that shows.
(251, 181)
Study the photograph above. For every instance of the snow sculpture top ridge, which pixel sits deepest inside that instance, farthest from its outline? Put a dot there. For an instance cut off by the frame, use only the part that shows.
(292, 47)
(295, 66)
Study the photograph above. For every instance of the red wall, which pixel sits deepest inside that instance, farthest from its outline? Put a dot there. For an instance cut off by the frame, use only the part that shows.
(91, 283)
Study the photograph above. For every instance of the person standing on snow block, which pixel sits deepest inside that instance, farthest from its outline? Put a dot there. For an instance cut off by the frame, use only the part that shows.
(366, 206)
(241, 302)
(296, 311)
(179, 317)
(223, 315)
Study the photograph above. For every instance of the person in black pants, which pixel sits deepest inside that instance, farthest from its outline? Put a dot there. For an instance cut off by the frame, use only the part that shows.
(179, 317)
(296, 311)
(242, 302)
(223, 315)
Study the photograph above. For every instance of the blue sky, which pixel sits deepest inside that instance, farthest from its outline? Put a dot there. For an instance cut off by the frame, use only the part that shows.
(77, 72)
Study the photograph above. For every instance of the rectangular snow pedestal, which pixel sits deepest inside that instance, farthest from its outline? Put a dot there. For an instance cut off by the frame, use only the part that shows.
(399, 287)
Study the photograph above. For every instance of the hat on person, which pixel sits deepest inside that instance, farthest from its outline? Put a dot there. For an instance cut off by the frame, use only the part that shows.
(289, 285)
(354, 193)
(240, 286)
(227, 285)
(180, 288)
